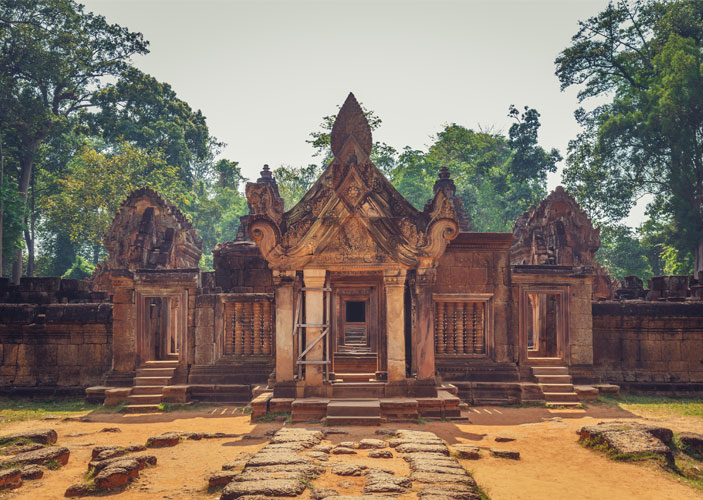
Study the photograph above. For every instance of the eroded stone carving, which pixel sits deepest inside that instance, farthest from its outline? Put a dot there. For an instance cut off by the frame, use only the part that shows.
(149, 232)
(557, 232)
(352, 214)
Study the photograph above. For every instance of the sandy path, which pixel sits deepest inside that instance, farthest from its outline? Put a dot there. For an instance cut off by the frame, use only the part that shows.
(553, 464)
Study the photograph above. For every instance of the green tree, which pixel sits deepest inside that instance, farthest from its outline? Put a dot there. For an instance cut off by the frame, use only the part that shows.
(84, 207)
(623, 253)
(149, 114)
(53, 56)
(294, 182)
(643, 63)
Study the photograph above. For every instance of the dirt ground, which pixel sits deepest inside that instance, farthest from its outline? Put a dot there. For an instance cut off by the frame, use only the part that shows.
(552, 466)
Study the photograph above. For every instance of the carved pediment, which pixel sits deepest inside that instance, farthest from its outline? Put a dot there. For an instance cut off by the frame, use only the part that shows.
(352, 213)
(557, 232)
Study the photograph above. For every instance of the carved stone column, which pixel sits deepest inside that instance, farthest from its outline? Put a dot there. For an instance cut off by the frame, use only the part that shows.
(424, 321)
(284, 280)
(394, 284)
(314, 314)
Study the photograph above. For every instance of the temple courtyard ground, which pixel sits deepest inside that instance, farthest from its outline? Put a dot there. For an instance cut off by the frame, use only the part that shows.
(552, 465)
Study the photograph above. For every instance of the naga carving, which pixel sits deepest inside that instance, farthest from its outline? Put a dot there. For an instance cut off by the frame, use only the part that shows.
(352, 214)
(557, 232)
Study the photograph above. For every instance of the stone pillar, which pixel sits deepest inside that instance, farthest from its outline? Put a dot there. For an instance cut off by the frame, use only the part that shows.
(423, 340)
(314, 314)
(285, 362)
(394, 284)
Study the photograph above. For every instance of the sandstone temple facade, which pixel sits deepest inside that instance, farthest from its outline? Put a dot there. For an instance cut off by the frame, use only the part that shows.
(352, 294)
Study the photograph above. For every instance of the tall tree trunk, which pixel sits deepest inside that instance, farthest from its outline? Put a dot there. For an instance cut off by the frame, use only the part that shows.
(2, 199)
(26, 166)
(698, 266)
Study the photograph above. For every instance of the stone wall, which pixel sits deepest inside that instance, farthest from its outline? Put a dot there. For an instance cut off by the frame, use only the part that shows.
(55, 335)
(649, 345)
(43, 347)
(479, 263)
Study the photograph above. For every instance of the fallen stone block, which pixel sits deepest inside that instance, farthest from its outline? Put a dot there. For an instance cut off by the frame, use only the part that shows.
(117, 474)
(422, 448)
(595, 431)
(10, 479)
(348, 469)
(366, 444)
(79, 490)
(221, 478)
(277, 458)
(41, 456)
(163, 440)
(142, 461)
(307, 470)
(274, 488)
(466, 452)
(512, 455)
(32, 472)
(318, 455)
(320, 493)
(692, 442)
(110, 429)
(426, 477)
(379, 482)
(343, 450)
(380, 454)
(41, 436)
(324, 448)
(504, 439)
(448, 491)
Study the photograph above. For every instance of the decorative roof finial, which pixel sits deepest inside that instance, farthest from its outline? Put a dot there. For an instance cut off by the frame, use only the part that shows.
(445, 183)
(351, 122)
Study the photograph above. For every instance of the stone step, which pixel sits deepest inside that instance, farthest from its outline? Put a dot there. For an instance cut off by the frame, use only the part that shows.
(561, 397)
(147, 408)
(341, 420)
(152, 381)
(557, 387)
(545, 361)
(148, 389)
(155, 372)
(355, 377)
(354, 408)
(550, 370)
(553, 379)
(145, 399)
(161, 363)
(358, 390)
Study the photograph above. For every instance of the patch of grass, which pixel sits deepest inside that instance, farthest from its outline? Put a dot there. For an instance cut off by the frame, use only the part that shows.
(272, 416)
(420, 420)
(111, 409)
(482, 493)
(247, 410)
(655, 405)
(52, 464)
(20, 409)
(167, 407)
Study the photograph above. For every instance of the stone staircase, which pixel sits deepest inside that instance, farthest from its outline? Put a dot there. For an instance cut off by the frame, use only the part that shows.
(148, 389)
(354, 412)
(556, 385)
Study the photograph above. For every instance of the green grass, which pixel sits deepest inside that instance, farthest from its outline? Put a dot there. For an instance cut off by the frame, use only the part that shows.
(19, 409)
(656, 405)
(272, 416)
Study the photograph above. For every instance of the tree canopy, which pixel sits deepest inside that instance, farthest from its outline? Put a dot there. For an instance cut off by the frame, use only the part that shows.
(642, 62)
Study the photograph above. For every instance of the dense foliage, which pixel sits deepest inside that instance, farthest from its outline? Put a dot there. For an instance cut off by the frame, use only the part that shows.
(81, 127)
(642, 62)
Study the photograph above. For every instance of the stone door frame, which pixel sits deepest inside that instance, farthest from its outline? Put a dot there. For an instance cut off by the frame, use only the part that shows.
(562, 337)
(142, 295)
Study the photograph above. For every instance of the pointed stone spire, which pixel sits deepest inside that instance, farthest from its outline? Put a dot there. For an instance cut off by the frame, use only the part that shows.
(268, 178)
(445, 182)
(351, 122)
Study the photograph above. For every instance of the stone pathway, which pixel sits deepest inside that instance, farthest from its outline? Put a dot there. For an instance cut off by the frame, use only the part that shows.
(296, 459)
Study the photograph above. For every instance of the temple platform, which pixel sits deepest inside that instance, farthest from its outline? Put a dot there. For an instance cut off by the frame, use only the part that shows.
(360, 411)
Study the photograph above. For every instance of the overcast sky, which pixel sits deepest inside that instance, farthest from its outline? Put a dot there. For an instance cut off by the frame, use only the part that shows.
(264, 72)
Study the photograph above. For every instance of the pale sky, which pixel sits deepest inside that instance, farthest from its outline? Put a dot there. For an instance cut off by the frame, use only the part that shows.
(265, 72)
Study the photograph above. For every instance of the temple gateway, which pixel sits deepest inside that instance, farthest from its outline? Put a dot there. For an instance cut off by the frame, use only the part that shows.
(351, 305)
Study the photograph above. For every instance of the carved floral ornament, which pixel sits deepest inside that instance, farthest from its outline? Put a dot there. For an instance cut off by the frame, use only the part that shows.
(352, 214)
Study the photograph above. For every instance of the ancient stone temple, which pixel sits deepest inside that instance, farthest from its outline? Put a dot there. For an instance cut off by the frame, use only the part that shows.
(351, 305)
